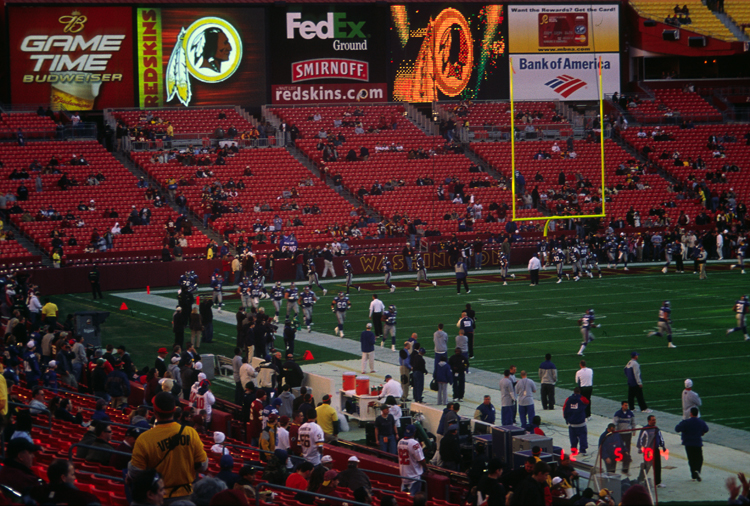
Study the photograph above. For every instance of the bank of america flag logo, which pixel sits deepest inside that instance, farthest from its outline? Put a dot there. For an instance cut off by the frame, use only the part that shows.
(566, 85)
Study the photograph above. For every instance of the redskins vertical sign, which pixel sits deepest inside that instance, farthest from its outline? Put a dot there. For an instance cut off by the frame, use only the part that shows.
(191, 57)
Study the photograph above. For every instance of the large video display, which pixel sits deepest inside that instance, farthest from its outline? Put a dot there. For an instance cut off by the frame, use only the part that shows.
(199, 56)
(72, 58)
(328, 54)
(564, 28)
(445, 51)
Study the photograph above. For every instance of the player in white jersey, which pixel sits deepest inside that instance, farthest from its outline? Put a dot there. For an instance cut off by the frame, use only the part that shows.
(410, 461)
(311, 438)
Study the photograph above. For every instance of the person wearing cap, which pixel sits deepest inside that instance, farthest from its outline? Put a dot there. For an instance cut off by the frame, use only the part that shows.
(204, 399)
(311, 438)
(692, 430)
(690, 400)
(218, 447)
(255, 417)
(16, 472)
(574, 412)
(62, 488)
(31, 365)
(609, 444)
(174, 371)
(367, 345)
(103, 433)
(635, 384)
(418, 370)
(118, 385)
(328, 419)
(178, 463)
(118, 461)
(391, 387)
(352, 477)
(411, 461)
(226, 474)
(450, 448)
(269, 435)
(386, 432)
(330, 483)
(159, 364)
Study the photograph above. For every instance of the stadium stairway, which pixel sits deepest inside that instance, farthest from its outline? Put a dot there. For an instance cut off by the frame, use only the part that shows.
(24, 241)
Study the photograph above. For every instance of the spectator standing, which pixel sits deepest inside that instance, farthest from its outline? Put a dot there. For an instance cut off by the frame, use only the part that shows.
(367, 345)
(461, 274)
(352, 477)
(376, 315)
(385, 430)
(650, 440)
(525, 390)
(574, 412)
(440, 338)
(585, 380)
(459, 366)
(534, 266)
(507, 399)
(690, 400)
(120, 462)
(635, 384)
(692, 430)
(548, 378)
(311, 438)
(177, 462)
(328, 419)
(624, 420)
(411, 461)
(419, 369)
(443, 376)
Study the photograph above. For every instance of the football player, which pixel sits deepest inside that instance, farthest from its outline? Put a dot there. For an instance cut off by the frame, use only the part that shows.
(558, 257)
(668, 252)
(503, 262)
(389, 327)
(217, 282)
(387, 269)
(664, 324)
(349, 271)
(541, 249)
(312, 276)
(623, 250)
(741, 308)
(339, 305)
(741, 250)
(292, 296)
(243, 290)
(307, 300)
(422, 272)
(575, 262)
(277, 296)
(587, 323)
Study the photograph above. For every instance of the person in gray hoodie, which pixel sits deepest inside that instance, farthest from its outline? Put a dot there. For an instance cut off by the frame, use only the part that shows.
(287, 402)
(690, 399)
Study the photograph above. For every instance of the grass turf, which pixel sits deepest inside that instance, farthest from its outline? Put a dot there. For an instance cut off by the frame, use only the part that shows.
(517, 324)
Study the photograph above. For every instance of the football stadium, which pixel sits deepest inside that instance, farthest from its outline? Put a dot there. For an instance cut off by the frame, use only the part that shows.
(380, 253)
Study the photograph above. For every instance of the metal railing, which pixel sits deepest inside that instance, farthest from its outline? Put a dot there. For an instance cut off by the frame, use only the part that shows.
(305, 492)
(182, 141)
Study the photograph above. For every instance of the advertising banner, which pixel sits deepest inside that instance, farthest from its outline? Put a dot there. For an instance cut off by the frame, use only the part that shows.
(564, 76)
(448, 52)
(564, 28)
(198, 56)
(328, 54)
(72, 58)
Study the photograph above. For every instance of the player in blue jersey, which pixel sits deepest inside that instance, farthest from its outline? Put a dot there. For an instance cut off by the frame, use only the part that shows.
(243, 290)
(741, 250)
(503, 263)
(611, 248)
(741, 308)
(422, 272)
(592, 263)
(189, 281)
(575, 262)
(292, 300)
(256, 293)
(259, 276)
(307, 300)
(277, 296)
(387, 270)
(558, 257)
(623, 250)
(541, 249)
(312, 276)
(348, 272)
(389, 326)
(340, 305)
(217, 282)
(664, 324)
(668, 252)
(587, 323)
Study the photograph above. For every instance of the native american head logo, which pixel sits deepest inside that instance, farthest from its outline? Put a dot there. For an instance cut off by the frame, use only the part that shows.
(210, 50)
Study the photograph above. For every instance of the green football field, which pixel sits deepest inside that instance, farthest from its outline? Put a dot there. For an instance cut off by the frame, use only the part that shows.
(517, 324)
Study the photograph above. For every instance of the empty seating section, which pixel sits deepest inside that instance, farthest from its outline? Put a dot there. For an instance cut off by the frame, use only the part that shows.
(739, 12)
(693, 143)
(273, 171)
(186, 121)
(588, 165)
(677, 104)
(703, 20)
(118, 191)
(384, 165)
(31, 124)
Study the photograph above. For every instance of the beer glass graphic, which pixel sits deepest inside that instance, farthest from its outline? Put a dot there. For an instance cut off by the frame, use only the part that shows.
(73, 91)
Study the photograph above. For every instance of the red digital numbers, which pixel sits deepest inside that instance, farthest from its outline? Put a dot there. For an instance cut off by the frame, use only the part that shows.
(648, 454)
(573, 453)
(618, 455)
